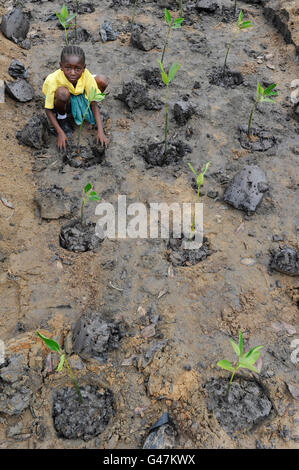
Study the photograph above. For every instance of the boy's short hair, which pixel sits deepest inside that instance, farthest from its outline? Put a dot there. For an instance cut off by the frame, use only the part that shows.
(72, 50)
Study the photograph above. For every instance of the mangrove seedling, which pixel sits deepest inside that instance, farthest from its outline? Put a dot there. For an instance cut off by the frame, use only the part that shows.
(65, 20)
(88, 195)
(235, 7)
(199, 181)
(245, 360)
(262, 96)
(181, 8)
(134, 12)
(166, 80)
(53, 346)
(92, 95)
(172, 24)
(239, 27)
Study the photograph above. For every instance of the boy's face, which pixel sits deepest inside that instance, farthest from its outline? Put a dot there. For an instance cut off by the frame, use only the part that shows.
(72, 68)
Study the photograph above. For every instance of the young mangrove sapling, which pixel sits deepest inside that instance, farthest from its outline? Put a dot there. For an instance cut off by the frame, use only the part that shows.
(166, 80)
(245, 360)
(172, 24)
(239, 27)
(92, 95)
(65, 20)
(262, 96)
(199, 181)
(88, 195)
(53, 346)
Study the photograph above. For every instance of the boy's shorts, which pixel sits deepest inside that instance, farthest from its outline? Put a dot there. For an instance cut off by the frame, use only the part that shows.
(77, 107)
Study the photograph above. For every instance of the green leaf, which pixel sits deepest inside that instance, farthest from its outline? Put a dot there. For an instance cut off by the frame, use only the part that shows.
(267, 100)
(241, 343)
(206, 167)
(49, 342)
(253, 354)
(240, 18)
(167, 17)
(246, 24)
(259, 90)
(178, 21)
(172, 71)
(61, 362)
(87, 188)
(192, 169)
(270, 88)
(164, 76)
(245, 365)
(235, 348)
(71, 17)
(224, 364)
(199, 180)
(94, 198)
(64, 12)
(93, 193)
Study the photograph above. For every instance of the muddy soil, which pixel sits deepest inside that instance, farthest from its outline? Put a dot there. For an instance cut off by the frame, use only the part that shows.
(176, 321)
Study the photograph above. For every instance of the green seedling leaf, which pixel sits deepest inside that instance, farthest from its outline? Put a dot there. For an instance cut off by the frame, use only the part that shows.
(87, 188)
(93, 193)
(270, 88)
(267, 100)
(246, 24)
(259, 89)
(172, 71)
(240, 18)
(64, 11)
(61, 362)
(71, 17)
(224, 364)
(164, 76)
(245, 365)
(177, 23)
(253, 354)
(192, 169)
(240, 343)
(206, 167)
(235, 347)
(167, 17)
(94, 198)
(50, 343)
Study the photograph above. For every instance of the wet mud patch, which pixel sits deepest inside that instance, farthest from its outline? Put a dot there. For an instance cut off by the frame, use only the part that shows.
(246, 406)
(285, 260)
(94, 335)
(75, 420)
(179, 254)
(53, 203)
(74, 237)
(154, 153)
(259, 140)
(227, 79)
(85, 158)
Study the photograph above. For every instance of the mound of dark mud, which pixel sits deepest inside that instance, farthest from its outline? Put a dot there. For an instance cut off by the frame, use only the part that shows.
(85, 158)
(154, 153)
(259, 140)
(179, 254)
(227, 79)
(74, 237)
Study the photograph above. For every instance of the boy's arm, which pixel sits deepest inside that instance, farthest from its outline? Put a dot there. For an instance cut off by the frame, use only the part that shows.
(61, 137)
(100, 133)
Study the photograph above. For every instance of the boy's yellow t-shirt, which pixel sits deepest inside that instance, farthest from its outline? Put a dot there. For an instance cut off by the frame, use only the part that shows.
(56, 79)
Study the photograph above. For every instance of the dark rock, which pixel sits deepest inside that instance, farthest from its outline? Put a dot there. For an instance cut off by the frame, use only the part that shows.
(107, 33)
(143, 39)
(82, 35)
(74, 237)
(152, 77)
(17, 70)
(53, 203)
(285, 260)
(154, 154)
(86, 8)
(134, 95)
(206, 6)
(278, 238)
(75, 420)
(161, 438)
(212, 194)
(2, 257)
(227, 80)
(196, 85)
(35, 133)
(244, 407)
(15, 25)
(259, 140)
(180, 255)
(247, 188)
(183, 110)
(20, 90)
(94, 335)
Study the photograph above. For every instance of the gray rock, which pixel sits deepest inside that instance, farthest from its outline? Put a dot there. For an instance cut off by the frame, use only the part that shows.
(161, 438)
(94, 336)
(20, 90)
(15, 25)
(107, 33)
(206, 6)
(35, 132)
(246, 405)
(283, 15)
(143, 39)
(17, 70)
(286, 261)
(183, 110)
(247, 188)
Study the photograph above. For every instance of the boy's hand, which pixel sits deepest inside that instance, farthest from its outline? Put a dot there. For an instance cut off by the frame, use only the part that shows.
(61, 140)
(103, 139)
